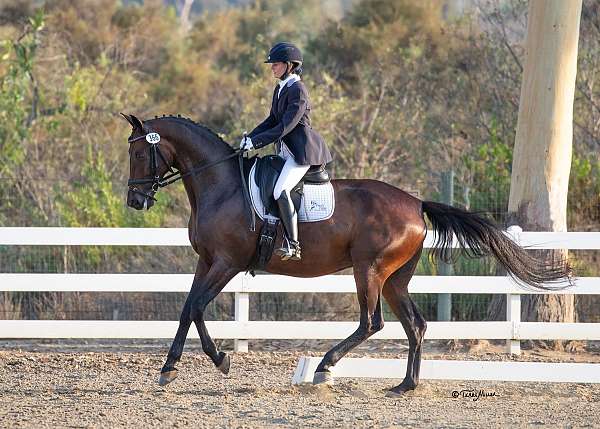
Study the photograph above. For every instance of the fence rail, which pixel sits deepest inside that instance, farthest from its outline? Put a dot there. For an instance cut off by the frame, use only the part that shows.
(280, 330)
(242, 329)
(41, 282)
(51, 236)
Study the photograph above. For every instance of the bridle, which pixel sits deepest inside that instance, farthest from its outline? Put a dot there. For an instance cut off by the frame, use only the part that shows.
(153, 139)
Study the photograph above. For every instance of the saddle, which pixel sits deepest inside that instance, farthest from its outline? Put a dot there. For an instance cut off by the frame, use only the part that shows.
(267, 171)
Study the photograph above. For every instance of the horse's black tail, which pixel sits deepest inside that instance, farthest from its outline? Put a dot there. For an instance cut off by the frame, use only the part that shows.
(479, 237)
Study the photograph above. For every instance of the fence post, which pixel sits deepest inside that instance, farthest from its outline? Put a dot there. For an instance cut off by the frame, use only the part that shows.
(513, 315)
(513, 304)
(444, 300)
(242, 314)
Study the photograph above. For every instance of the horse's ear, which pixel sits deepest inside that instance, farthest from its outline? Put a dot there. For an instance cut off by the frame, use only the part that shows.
(135, 122)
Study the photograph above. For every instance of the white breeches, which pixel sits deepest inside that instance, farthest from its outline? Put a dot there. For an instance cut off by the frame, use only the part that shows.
(290, 174)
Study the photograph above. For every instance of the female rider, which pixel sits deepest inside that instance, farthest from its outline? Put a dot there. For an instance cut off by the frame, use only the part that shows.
(288, 125)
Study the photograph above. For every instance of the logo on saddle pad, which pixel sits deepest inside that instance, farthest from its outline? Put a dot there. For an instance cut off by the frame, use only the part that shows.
(316, 206)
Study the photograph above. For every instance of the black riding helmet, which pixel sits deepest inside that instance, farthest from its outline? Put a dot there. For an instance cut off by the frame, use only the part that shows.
(285, 52)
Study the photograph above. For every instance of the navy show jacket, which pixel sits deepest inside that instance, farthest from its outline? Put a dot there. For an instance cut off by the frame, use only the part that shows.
(289, 121)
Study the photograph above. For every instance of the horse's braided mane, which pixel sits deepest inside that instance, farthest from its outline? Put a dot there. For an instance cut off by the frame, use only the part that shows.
(192, 122)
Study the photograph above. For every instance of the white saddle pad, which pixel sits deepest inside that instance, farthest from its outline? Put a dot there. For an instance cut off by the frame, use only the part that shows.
(318, 202)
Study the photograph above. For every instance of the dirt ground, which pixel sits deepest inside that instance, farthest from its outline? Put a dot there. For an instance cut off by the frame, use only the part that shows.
(116, 386)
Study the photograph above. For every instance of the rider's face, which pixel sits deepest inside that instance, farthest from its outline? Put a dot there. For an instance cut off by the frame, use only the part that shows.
(278, 69)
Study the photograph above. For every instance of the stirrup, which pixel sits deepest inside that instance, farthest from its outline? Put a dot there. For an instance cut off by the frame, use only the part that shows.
(289, 250)
(296, 253)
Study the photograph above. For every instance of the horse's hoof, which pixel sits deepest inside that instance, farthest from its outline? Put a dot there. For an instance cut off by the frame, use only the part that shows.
(323, 377)
(398, 391)
(167, 377)
(224, 365)
(392, 394)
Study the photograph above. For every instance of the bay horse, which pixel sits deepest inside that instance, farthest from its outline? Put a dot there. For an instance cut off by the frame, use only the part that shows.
(377, 229)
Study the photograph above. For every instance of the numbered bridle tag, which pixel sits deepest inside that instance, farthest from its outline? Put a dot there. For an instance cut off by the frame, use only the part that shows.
(152, 138)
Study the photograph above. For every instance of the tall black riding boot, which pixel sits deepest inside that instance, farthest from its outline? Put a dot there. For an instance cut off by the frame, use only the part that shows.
(289, 218)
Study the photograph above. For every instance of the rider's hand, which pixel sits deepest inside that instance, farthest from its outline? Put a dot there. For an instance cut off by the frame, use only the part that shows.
(246, 143)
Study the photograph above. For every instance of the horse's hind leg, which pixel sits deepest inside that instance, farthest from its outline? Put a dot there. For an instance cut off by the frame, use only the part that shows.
(368, 286)
(395, 291)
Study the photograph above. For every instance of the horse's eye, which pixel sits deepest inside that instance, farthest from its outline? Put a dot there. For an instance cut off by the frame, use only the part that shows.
(140, 154)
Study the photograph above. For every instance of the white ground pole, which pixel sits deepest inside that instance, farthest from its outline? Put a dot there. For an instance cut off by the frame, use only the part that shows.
(454, 370)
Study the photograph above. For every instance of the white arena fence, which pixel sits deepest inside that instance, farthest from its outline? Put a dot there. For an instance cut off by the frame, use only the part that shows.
(242, 329)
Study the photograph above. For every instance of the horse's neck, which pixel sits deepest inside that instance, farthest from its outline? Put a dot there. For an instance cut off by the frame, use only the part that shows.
(195, 150)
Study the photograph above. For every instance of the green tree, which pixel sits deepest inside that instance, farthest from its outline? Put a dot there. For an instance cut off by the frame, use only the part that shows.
(94, 201)
(18, 95)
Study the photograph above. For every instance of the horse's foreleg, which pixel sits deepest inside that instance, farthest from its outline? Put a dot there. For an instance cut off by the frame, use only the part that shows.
(168, 372)
(219, 277)
(371, 320)
(220, 359)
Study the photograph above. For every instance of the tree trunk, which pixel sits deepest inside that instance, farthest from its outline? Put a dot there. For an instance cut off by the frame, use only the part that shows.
(184, 16)
(543, 144)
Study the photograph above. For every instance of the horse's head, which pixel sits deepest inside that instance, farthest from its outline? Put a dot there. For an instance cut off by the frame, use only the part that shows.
(150, 157)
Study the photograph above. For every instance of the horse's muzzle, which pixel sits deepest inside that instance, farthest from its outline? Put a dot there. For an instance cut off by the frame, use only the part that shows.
(139, 201)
